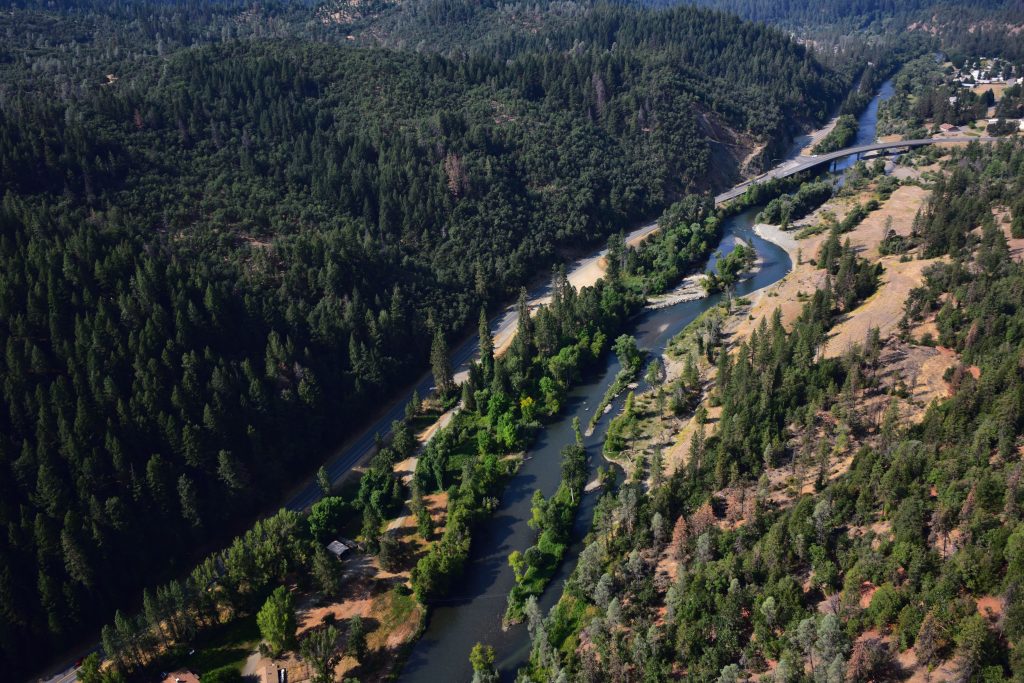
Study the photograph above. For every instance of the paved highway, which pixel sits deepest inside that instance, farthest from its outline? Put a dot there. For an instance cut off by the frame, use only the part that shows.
(803, 163)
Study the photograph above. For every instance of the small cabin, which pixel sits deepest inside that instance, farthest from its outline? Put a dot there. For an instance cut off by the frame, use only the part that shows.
(337, 548)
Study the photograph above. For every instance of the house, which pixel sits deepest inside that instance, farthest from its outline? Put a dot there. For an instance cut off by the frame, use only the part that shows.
(1020, 125)
(337, 548)
(948, 128)
(181, 676)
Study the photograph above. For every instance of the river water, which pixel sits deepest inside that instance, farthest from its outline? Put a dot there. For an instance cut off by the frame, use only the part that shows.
(474, 611)
(867, 125)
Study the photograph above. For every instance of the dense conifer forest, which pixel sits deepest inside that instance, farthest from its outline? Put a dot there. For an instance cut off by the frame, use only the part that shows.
(227, 235)
(980, 27)
(855, 14)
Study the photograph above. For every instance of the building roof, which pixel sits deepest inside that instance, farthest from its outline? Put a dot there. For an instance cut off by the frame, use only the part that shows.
(181, 676)
(337, 548)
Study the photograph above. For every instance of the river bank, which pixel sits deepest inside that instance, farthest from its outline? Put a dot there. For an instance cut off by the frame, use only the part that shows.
(442, 652)
(473, 613)
(779, 237)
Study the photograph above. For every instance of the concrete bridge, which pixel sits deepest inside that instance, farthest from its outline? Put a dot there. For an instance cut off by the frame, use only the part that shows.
(803, 163)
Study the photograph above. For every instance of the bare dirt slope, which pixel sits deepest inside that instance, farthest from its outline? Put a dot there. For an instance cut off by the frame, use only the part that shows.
(883, 309)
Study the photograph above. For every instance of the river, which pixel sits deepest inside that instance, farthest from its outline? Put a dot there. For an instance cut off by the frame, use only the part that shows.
(473, 613)
(867, 125)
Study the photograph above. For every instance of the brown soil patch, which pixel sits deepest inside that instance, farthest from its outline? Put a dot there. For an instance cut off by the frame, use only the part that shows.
(946, 544)
(830, 604)
(906, 173)
(914, 370)
(256, 243)
(363, 597)
(929, 384)
(678, 454)
(991, 607)
(405, 525)
(883, 309)
(667, 567)
(788, 294)
(401, 635)
(786, 484)
(437, 505)
(914, 172)
(926, 327)
(946, 671)
(1016, 244)
(996, 88)
(867, 591)
(358, 600)
(405, 469)
(901, 206)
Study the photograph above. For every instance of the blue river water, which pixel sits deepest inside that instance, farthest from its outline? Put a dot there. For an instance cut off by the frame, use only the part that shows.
(473, 613)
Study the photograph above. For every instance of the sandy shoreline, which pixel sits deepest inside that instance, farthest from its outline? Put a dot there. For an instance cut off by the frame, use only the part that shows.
(778, 237)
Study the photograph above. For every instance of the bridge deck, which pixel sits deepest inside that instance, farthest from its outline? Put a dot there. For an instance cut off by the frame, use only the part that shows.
(804, 163)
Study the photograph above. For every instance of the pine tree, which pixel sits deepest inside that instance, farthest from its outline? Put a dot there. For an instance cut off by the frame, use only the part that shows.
(230, 471)
(414, 406)
(356, 643)
(327, 572)
(323, 481)
(486, 346)
(928, 641)
(189, 501)
(441, 365)
(524, 331)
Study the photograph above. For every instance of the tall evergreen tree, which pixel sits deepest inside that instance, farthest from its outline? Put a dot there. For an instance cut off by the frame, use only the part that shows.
(486, 345)
(441, 365)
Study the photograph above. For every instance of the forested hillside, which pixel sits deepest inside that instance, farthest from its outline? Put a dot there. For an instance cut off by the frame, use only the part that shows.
(224, 243)
(822, 532)
(981, 27)
(857, 14)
